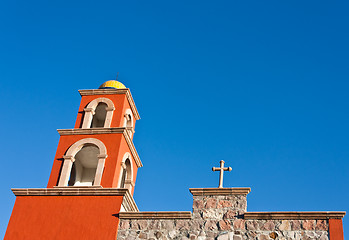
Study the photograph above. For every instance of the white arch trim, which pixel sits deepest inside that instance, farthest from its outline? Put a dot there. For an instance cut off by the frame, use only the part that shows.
(90, 111)
(76, 147)
(69, 158)
(128, 113)
(129, 184)
(93, 104)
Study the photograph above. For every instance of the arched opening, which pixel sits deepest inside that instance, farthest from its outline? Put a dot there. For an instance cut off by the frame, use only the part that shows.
(98, 113)
(99, 116)
(126, 174)
(84, 167)
(128, 122)
(83, 163)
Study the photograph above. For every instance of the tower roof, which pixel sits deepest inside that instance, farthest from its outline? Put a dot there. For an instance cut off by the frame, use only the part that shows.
(112, 84)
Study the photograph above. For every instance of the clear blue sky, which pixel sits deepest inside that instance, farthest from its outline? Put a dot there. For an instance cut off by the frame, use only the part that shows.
(261, 84)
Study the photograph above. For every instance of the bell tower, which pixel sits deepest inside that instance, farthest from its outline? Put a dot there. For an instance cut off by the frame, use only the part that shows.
(93, 174)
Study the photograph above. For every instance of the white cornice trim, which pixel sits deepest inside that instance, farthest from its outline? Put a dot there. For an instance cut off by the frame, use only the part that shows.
(294, 215)
(114, 91)
(219, 191)
(133, 149)
(127, 202)
(155, 215)
(91, 131)
(69, 191)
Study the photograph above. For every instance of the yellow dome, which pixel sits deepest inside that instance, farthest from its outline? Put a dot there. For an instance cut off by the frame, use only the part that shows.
(112, 84)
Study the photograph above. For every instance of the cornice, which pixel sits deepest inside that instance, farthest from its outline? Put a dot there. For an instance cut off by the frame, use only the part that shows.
(92, 131)
(114, 91)
(89, 131)
(70, 191)
(155, 215)
(219, 191)
(133, 149)
(294, 215)
(129, 203)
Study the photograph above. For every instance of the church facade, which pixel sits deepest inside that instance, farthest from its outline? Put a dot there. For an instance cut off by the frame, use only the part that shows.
(89, 194)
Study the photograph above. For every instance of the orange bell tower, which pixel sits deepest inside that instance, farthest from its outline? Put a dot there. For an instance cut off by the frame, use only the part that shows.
(93, 173)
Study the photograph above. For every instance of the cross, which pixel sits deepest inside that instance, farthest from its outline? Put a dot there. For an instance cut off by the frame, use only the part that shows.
(221, 169)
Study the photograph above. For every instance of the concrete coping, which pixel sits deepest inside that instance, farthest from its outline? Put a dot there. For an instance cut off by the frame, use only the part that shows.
(219, 191)
(294, 215)
(155, 215)
(110, 91)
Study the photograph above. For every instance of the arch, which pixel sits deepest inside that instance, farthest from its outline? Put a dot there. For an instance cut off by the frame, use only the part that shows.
(100, 115)
(73, 149)
(69, 159)
(126, 172)
(90, 111)
(84, 167)
(129, 122)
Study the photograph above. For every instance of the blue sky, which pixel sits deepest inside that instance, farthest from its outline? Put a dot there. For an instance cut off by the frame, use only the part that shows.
(261, 84)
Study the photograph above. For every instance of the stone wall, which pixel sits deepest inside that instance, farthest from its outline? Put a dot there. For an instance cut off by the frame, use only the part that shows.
(222, 215)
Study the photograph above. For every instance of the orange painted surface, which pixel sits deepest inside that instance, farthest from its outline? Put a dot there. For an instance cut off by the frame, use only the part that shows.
(336, 229)
(123, 149)
(116, 148)
(64, 217)
(120, 103)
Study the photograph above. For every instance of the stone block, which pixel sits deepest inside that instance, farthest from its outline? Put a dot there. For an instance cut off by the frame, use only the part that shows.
(295, 225)
(321, 225)
(172, 233)
(139, 224)
(124, 224)
(263, 237)
(285, 225)
(167, 224)
(211, 203)
(269, 226)
(224, 225)
(182, 225)
(251, 225)
(224, 204)
(212, 214)
(324, 237)
(230, 214)
(211, 225)
(308, 224)
(142, 235)
(237, 237)
(224, 236)
(154, 225)
(198, 204)
(239, 224)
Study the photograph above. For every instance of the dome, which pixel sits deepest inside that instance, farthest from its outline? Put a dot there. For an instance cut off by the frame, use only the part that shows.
(112, 84)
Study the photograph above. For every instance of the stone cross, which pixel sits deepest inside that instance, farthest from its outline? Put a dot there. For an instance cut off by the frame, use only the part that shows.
(221, 169)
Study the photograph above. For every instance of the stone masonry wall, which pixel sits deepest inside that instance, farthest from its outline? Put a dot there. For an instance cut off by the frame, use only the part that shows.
(222, 218)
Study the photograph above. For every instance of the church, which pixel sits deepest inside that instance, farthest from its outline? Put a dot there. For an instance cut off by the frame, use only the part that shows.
(89, 194)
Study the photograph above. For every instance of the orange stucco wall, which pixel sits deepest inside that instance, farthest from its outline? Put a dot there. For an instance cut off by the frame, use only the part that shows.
(116, 148)
(64, 217)
(336, 229)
